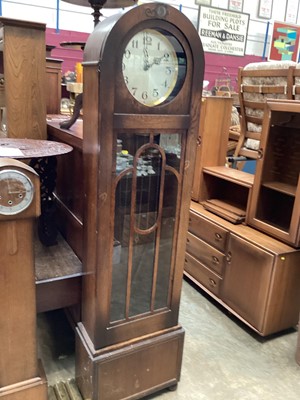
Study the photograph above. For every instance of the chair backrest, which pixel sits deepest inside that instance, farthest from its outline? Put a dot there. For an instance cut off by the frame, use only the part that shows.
(258, 82)
(296, 83)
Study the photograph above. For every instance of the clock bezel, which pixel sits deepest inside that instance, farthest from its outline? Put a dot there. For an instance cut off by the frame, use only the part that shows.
(123, 100)
(181, 67)
(11, 211)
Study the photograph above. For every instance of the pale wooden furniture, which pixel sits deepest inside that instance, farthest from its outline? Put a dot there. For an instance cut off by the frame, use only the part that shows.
(252, 275)
(275, 204)
(212, 142)
(23, 64)
(251, 272)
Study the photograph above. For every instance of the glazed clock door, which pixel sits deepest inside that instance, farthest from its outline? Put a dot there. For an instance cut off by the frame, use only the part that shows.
(147, 200)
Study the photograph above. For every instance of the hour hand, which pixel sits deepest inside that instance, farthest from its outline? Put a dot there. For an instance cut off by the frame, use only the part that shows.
(146, 60)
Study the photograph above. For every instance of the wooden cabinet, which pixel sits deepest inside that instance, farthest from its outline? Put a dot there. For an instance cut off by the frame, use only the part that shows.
(253, 275)
(212, 140)
(226, 192)
(23, 65)
(53, 88)
(275, 205)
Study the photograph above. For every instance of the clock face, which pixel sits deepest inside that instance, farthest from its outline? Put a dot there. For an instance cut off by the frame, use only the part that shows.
(16, 192)
(154, 66)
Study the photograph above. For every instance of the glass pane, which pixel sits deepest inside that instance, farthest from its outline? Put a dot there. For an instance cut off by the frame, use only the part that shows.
(142, 274)
(166, 241)
(172, 146)
(120, 248)
(147, 172)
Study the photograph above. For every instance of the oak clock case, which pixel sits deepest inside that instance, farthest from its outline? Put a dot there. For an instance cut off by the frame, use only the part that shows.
(141, 109)
(19, 207)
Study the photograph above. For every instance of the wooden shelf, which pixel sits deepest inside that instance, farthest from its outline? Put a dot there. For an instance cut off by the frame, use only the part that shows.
(230, 174)
(281, 187)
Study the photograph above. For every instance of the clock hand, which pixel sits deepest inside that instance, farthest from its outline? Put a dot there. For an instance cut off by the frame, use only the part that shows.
(156, 61)
(146, 60)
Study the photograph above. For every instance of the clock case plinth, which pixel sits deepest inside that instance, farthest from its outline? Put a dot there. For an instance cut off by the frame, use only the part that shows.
(139, 353)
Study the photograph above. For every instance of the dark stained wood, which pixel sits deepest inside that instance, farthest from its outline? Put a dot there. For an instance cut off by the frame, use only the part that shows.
(58, 276)
(32, 148)
(69, 183)
(24, 66)
(106, 3)
(21, 375)
(133, 343)
(53, 85)
(116, 376)
(98, 133)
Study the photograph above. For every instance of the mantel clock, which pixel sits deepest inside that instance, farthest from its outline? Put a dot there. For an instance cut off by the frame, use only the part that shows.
(143, 74)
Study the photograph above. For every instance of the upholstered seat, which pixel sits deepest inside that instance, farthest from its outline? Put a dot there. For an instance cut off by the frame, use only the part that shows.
(258, 82)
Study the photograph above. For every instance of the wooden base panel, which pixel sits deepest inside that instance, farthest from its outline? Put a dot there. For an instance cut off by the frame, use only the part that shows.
(131, 370)
(31, 389)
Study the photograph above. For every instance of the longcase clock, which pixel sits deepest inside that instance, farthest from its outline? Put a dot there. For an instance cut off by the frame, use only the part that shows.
(21, 374)
(143, 73)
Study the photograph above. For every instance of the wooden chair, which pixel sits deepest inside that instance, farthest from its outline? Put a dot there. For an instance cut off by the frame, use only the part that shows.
(258, 82)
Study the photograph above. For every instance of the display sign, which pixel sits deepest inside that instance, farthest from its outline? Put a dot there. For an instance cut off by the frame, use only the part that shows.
(285, 42)
(265, 9)
(236, 5)
(200, 2)
(291, 11)
(223, 31)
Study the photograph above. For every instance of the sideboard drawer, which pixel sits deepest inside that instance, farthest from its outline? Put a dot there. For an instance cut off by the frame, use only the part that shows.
(210, 232)
(208, 255)
(202, 274)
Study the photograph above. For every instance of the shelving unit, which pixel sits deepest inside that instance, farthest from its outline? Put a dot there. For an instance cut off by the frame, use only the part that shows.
(227, 192)
(275, 205)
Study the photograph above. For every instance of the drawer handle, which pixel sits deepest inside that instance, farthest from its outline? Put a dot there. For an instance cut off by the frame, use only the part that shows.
(215, 260)
(212, 283)
(218, 237)
(228, 257)
(188, 240)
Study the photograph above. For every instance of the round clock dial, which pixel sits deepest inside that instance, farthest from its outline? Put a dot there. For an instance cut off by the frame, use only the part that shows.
(16, 192)
(154, 66)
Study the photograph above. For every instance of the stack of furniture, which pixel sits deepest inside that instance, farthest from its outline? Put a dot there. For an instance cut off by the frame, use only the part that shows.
(244, 233)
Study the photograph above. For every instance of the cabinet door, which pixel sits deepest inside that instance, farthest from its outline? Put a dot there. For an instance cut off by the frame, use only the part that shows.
(275, 205)
(247, 278)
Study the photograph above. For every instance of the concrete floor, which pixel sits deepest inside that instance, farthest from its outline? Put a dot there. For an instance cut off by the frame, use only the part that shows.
(223, 359)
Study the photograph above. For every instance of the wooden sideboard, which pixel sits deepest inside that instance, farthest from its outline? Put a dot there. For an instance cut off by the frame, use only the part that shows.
(253, 271)
(254, 276)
